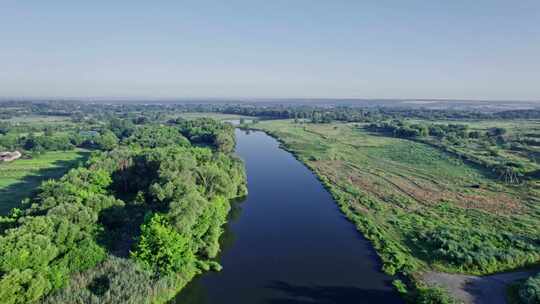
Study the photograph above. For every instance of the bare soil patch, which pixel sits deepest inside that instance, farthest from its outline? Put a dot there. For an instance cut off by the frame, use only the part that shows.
(470, 289)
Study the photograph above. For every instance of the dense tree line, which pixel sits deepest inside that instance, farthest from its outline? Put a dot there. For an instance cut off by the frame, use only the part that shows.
(152, 137)
(452, 132)
(139, 113)
(331, 113)
(38, 143)
(33, 143)
(207, 131)
(153, 178)
(311, 113)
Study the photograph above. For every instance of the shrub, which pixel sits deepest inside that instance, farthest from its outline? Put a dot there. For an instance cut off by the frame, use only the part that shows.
(161, 248)
(433, 295)
(529, 292)
(400, 286)
(116, 280)
(475, 249)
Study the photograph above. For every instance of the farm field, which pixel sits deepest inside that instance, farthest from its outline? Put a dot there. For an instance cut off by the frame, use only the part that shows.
(19, 178)
(423, 209)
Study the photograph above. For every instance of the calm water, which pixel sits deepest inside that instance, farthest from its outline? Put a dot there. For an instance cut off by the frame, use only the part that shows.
(288, 242)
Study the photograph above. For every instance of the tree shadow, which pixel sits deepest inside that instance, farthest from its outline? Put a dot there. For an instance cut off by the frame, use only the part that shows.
(12, 195)
(228, 237)
(122, 224)
(297, 294)
(121, 227)
(194, 291)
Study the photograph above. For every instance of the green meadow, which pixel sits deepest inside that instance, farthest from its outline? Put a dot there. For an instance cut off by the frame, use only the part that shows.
(422, 208)
(19, 178)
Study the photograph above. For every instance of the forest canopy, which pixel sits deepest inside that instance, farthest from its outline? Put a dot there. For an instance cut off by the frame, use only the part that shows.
(149, 197)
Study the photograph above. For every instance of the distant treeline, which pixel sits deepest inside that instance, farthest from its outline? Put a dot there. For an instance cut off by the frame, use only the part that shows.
(79, 111)
(452, 132)
(353, 114)
(107, 134)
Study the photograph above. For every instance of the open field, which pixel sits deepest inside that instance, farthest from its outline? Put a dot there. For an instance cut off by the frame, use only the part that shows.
(423, 209)
(216, 116)
(520, 143)
(37, 119)
(19, 178)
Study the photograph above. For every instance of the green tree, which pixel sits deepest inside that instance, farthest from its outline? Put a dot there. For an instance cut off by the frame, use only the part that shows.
(161, 248)
(107, 141)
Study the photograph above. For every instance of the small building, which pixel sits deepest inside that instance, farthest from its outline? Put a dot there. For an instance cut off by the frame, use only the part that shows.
(9, 156)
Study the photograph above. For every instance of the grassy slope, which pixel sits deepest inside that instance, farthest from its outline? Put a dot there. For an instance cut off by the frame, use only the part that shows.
(19, 178)
(394, 188)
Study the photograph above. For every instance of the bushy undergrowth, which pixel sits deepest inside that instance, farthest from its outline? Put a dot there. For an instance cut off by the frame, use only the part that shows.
(116, 280)
(433, 295)
(161, 248)
(472, 249)
(54, 237)
(529, 292)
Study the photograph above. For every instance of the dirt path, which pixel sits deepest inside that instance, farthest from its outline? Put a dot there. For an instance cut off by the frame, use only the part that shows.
(474, 289)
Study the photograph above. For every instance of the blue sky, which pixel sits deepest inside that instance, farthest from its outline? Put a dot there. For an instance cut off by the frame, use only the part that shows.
(279, 48)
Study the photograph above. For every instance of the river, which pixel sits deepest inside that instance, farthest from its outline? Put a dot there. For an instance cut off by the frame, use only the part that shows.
(288, 242)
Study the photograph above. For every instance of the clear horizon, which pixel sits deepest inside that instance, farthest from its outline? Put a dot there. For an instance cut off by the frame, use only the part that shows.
(253, 100)
(485, 50)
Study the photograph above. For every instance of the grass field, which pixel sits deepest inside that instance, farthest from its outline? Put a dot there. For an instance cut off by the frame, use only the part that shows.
(216, 116)
(423, 209)
(19, 178)
(521, 143)
(37, 119)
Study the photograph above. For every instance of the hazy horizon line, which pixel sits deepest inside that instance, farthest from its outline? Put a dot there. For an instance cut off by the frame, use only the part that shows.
(250, 98)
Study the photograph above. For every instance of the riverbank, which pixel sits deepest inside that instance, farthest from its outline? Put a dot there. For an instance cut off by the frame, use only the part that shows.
(468, 289)
(397, 192)
(289, 243)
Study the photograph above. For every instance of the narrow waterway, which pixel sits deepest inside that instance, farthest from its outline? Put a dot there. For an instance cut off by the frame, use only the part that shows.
(288, 241)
